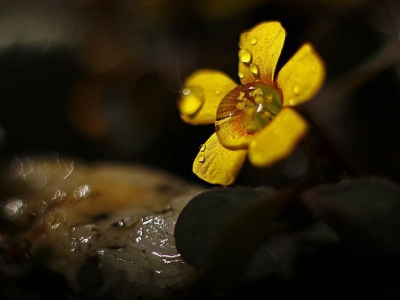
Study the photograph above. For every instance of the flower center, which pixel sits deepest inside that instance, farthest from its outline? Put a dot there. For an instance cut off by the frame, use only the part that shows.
(252, 105)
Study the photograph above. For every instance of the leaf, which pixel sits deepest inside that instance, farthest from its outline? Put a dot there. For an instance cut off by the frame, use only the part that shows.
(221, 229)
(364, 212)
(201, 220)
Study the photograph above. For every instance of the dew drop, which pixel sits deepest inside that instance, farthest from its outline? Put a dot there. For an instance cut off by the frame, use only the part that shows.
(202, 159)
(241, 75)
(296, 89)
(217, 92)
(253, 41)
(254, 69)
(191, 100)
(202, 148)
(292, 102)
(245, 56)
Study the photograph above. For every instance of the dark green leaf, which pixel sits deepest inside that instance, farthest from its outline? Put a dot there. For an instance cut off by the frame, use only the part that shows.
(364, 212)
(202, 219)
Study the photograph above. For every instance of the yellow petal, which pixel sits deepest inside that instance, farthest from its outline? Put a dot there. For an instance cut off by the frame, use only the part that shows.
(259, 52)
(278, 139)
(216, 164)
(201, 95)
(232, 133)
(302, 76)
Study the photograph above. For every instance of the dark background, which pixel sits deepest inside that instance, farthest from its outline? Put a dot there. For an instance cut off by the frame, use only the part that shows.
(100, 79)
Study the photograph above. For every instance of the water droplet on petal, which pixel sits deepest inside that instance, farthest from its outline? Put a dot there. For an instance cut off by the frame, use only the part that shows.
(191, 100)
(292, 102)
(254, 69)
(253, 41)
(241, 75)
(202, 159)
(296, 89)
(217, 92)
(202, 148)
(245, 56)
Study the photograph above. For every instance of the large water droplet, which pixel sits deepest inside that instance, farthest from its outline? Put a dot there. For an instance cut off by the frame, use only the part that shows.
(254, 69)
(191, 101)
(252, 106)
(253, 41)
(245, 56)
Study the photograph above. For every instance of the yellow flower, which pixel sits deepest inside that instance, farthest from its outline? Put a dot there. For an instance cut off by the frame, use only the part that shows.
(255, 117)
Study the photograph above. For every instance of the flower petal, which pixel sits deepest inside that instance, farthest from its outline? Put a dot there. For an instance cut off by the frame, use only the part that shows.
(232, 133)
(201, 95)
(259, 52)
(216, 164)
(278, 139)
(301, 77)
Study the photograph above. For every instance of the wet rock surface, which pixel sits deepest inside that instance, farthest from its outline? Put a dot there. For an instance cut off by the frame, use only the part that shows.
(107, 227)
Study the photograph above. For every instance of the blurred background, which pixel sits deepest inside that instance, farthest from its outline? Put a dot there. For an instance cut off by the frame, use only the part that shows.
(99, 79)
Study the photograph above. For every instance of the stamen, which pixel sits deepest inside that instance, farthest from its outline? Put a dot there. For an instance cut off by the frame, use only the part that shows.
(266, 114)
(241, 96)
(259, 99)
(240, 106)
